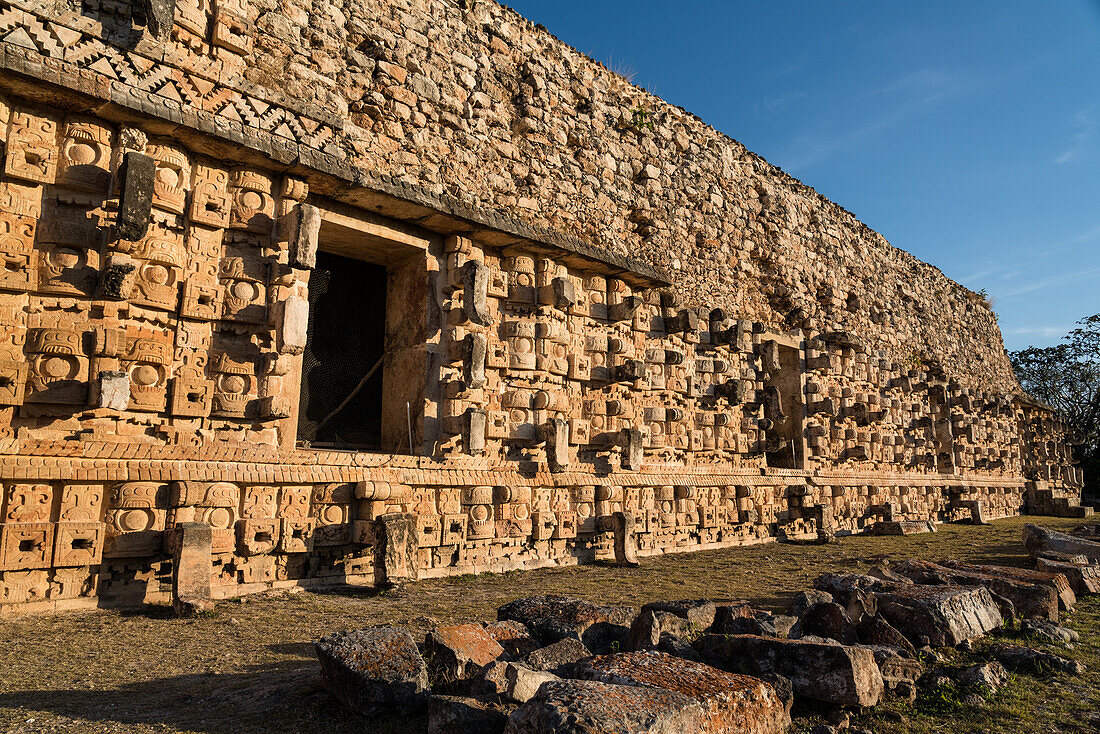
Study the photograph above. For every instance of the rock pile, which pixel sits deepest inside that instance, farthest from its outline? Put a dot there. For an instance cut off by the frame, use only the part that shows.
(559, 664)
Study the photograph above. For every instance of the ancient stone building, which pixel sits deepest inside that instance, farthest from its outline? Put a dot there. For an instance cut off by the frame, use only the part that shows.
(369, 290)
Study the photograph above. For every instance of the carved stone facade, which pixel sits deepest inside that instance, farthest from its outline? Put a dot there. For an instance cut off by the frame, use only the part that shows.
(547, 400)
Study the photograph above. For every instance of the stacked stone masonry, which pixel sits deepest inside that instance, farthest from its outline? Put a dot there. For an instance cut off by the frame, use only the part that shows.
(602, 318)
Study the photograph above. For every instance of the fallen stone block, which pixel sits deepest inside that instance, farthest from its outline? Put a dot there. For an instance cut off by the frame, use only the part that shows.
(698, 612)
(1041, 540)
(513, 636)
(591, 707)
(989, 677)
(1049, 631)
(1036, 662)
(730, 702)
(877, 631)
(1063, 557)
(650, 625)
(854, 592)
(677, 647)
(899, 671)
(945, 615)
(513, 681)
(803, 600)
(833, 673)
(466, 715)
(826, 619)
(1056, 581)
(1083, 578)
(460, 651)
(902, 527)
(552, 618)
(372, 669)
(1029, 599)
(559, 657)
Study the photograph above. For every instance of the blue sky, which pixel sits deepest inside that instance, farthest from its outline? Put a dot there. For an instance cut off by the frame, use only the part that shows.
(967, 133)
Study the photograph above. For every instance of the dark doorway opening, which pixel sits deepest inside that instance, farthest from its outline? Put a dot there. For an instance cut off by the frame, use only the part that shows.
(341, 401)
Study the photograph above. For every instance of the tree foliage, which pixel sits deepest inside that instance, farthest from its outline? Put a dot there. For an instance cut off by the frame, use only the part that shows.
(1066, 377)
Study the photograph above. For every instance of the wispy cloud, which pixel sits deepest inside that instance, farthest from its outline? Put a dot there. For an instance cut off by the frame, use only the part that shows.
(1052, 280)
(897, 100)
(1044, 331)
(776, 103)
(1084, 125)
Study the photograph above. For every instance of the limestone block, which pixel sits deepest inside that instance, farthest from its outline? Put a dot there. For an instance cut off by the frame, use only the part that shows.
(372, 670)
(589, 707)
(730, 702)
(833, 673)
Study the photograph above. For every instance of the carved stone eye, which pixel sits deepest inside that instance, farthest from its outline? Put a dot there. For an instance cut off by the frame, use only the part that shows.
(145, 374)
(83, 154)
(132, 521)
(219, 517)
(57, 367)
(156, 274)
(234, 384)
(244, 290)
(168, 176)
(252, 200)
(65, 258)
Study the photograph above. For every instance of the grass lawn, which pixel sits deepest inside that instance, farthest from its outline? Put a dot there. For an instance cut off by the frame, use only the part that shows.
(249, 665)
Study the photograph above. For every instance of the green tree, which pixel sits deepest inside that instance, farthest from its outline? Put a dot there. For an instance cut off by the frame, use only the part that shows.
(1067, 378)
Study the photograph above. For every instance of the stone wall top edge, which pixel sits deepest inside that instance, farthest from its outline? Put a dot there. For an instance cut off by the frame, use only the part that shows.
(772, 168)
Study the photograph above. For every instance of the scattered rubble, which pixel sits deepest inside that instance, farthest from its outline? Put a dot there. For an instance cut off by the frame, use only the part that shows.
(1036, 662)
(560, 664)
(1041, 540)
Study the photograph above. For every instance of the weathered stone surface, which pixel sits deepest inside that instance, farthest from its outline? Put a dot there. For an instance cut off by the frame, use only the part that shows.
(591, 707)
(803, 600)
(677, 647)
(946, 615)
(877, 631)
(398, 531)
(373, 669)
(828, 672)
(514, 681)
(903, 527)
(854, 592)
(730, 702)
(135, 195)
(899, 671)
(192, 568)
(1036, 662)
(466, 715)
(699, 612)
(1056, 581)
(650, 625)
(989, 677)
(459, 651)
(1029, 599)
(513, 636)
(1039, 539)
(553, 618)
(559, 657)
(826, 619)
(113, 390)
(1083, 578)
(1048, 631)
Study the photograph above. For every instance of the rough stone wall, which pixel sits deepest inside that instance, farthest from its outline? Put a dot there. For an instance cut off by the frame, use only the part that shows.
(153, 307)
(489, 107)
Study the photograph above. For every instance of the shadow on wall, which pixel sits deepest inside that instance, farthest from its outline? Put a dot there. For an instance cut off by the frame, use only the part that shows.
(283, 697)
